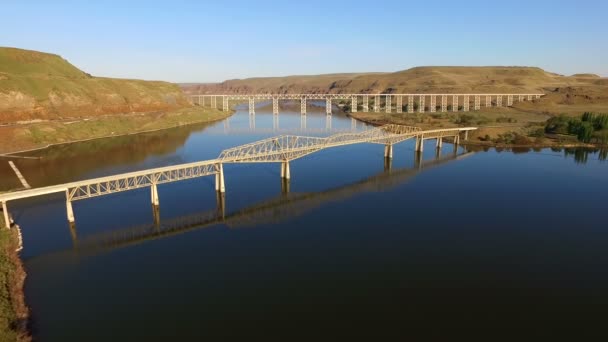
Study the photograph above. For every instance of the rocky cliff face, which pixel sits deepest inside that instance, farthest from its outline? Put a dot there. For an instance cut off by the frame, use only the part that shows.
(41, 86)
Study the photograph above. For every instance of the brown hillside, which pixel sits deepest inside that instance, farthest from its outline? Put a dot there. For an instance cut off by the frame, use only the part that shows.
(565, 94)
(36, 85)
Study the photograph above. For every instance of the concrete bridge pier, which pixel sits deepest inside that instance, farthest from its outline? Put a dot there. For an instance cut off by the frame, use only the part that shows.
(275, 105)
(399, 104)
(303, 106)
(303, 121)
(466, 135)
(68, 206)
(410, 104)
(275, 122)
(7, 219)
(251, 106)
(73, 234)
(419, 143)
(439, 143)
(377, 104)
(388, 151)
(225, 103)
(465, 103)
(154, 194)
(353, 104)
(499, 101)
(387, 104)
(285, 174)
(328, 120)
(421, 104)
(328, 106)
(477, 102)
(433, 104)
(488, 101)
(365, 103)
(219, 178)
(509, 100)
(454, 103)
(444, 103)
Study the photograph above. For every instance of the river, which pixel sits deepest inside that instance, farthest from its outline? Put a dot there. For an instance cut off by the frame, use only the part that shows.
(479, 240)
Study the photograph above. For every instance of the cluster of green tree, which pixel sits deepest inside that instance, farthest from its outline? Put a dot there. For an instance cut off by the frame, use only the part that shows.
(590, 127)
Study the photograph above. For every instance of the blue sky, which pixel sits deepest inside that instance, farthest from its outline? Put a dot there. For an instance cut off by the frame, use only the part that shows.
(200, 41)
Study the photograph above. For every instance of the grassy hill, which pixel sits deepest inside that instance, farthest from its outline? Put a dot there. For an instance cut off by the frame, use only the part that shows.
(569, 94)
(36, 85)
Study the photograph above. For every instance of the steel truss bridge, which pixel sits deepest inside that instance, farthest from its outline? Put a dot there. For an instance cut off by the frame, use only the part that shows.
(380, 102)
(281, 149)
(284, 206)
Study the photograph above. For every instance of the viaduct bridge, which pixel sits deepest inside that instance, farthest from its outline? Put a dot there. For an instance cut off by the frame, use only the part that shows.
(380, 102)
(281, 149)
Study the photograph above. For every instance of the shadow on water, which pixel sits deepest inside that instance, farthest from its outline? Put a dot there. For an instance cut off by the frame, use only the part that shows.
(285, 206)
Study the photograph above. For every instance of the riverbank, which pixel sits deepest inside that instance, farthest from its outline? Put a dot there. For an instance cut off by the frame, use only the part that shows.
(14, 313)
(501, 128)
(40, 135)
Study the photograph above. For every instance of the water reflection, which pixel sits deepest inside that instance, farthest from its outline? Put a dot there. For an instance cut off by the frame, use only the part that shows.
(580, 155)
(286, 205)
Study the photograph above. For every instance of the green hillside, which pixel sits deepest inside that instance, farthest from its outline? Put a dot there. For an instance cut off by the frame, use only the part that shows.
(36, 85)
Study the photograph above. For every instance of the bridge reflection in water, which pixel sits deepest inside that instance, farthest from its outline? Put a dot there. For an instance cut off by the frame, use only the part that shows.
(284, 206)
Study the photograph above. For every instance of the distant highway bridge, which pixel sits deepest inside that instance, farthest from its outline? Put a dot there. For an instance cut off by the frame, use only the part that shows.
(432, 102)
(281, 149)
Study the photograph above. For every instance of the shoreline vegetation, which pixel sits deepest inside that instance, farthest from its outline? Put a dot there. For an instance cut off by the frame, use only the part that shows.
(19, 139)
(506, 127)
(14, 313)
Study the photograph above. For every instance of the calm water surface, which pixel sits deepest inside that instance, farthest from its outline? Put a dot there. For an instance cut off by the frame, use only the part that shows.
(489, 242)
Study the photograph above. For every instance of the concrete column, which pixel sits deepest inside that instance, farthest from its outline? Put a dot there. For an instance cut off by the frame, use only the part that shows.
(529, 97)
(251, 105)
(488, 101)
(466, 135)
(365, 103)
(419, 143)
(439, 142)
(387, 105)
(509, 100)
(221, 173)
(444, 103)
(399, 104)
(388, 151)
(275, 105)
(303, 105)
(225, 103)
(7, 221)
(68, 206)
(377, 104)
(499, 101)
(477, 102)
(285, 173)
(154, 194)
(465, 104)
(433, 103)
(421, 104)
(410, 104)
(454, 103)
(457, 139)
(285, 186)
(328, 106)
(213, 101)
(353, 104)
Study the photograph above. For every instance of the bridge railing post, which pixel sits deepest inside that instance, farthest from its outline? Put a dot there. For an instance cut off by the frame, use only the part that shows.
(444, 103)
